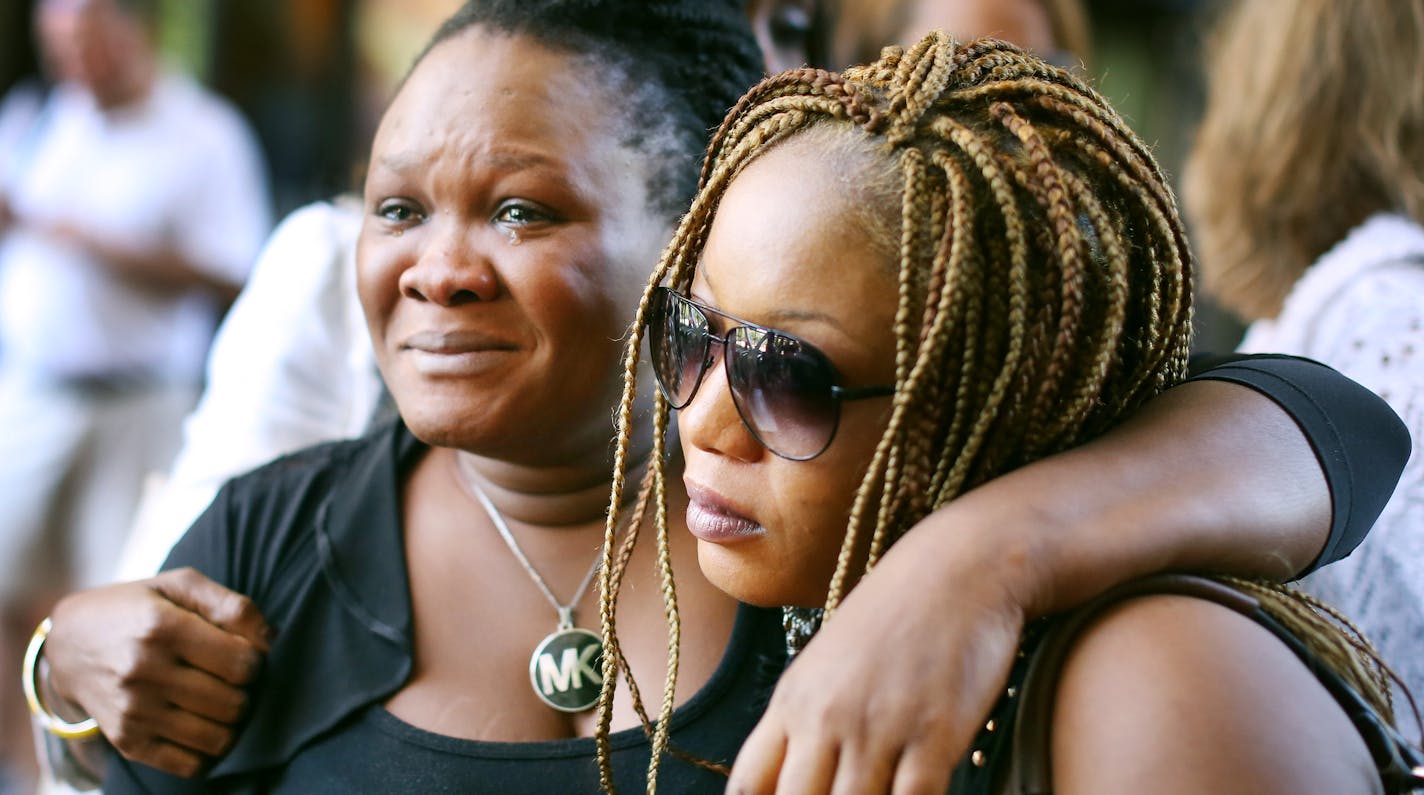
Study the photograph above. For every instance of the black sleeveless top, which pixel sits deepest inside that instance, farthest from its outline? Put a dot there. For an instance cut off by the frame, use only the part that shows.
(374, 751)
(315, 540)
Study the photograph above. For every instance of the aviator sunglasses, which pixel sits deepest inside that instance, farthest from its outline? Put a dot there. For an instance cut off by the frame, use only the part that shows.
(784, 388)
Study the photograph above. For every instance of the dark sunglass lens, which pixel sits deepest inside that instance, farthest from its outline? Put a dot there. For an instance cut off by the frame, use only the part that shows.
(783, 388)
(677, 334)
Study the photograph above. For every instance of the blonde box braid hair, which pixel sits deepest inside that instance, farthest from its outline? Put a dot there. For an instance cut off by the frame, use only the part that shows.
(1043, 274)
(1021, 190)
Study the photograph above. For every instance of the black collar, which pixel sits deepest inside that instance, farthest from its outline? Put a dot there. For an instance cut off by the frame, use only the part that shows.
(364, 564)
(344, 622)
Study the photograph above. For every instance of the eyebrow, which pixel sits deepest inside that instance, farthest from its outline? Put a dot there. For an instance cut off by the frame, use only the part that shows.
(806, 315)
(504, 161)
(782, 315)
(497, 165)
(399, 163)
(520, 161)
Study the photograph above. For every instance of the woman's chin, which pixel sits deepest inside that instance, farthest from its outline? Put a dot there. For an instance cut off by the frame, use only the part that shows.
(744, 577)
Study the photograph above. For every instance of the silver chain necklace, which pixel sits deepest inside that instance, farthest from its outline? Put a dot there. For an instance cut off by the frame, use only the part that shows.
(566, 668)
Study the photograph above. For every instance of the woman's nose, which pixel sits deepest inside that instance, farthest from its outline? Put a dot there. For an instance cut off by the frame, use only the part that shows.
(452, 268)
(711, 422)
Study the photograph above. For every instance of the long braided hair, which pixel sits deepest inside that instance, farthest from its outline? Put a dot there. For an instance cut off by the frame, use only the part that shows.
(1044, 277)
(1044, 283)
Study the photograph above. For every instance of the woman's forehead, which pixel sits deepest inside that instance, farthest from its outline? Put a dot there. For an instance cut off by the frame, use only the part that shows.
(496, 97)
(485, 71)
(787, 222)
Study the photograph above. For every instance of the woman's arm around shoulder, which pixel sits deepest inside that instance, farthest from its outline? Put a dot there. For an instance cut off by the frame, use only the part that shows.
(1219, 474)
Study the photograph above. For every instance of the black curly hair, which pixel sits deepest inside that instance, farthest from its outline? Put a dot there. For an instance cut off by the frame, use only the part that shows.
(675, 65)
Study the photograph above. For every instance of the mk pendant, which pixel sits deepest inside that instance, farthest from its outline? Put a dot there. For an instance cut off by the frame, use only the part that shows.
(566, 669)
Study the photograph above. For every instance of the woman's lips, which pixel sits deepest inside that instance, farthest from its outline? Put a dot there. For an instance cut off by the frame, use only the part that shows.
(711, 518)
(455, 353)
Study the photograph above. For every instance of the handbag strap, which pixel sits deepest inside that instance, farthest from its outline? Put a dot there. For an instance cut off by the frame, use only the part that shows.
(1401, 765)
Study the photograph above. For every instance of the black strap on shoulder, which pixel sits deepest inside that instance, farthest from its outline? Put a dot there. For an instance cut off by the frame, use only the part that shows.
(1400, 764)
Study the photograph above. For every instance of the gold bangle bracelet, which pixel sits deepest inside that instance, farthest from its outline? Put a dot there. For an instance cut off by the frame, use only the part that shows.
(52, 723)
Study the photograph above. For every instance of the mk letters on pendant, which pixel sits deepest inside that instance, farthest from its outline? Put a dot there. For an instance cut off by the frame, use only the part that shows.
(566, 670)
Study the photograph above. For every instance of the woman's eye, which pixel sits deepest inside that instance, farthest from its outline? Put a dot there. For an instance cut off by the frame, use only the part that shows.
(398, 212)
(521, 214)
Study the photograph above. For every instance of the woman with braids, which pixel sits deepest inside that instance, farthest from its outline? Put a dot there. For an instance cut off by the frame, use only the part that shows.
(898, 284)
(425, 581)
(1306, 187)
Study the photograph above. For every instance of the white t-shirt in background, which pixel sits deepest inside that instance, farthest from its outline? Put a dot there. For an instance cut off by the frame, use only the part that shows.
(181, 169)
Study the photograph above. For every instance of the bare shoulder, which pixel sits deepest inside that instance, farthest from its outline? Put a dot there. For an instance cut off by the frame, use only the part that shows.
(1171, 694)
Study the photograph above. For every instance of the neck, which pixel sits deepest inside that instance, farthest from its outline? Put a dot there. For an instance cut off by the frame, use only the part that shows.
(562, 496)
(134, 88)
(574, 491)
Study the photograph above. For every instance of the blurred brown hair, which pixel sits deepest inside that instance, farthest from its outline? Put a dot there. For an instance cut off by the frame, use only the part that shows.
(1314, 122)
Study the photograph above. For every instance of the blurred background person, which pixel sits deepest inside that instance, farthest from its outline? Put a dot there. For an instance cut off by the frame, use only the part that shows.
(131, 205)
(834, 34)
(292, 364)
(1306, 186)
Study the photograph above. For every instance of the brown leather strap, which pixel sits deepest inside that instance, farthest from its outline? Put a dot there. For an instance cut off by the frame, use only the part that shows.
(1031, 769)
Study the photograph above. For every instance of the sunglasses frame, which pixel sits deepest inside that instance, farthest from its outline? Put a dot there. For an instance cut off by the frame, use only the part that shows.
(838, 394)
